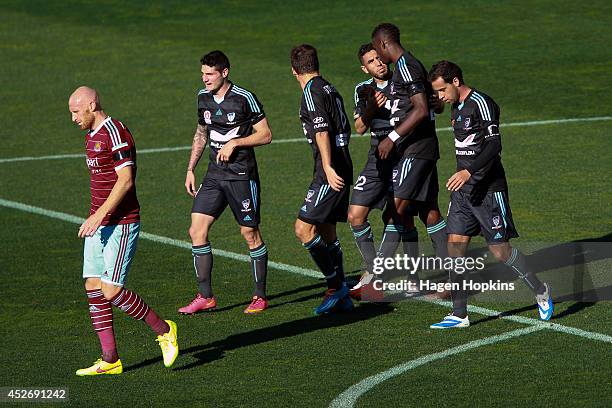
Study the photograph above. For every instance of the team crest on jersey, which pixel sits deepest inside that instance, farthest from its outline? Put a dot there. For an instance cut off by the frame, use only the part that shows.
(309, 195)
(246, 204)
(231, 116)
(97, 147)
(496, 222)
(207, 116)
(466, 124)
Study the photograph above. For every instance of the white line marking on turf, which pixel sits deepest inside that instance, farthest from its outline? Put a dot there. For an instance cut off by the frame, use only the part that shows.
(300, 139)
(349, 397)
(157, 238)
(310, 273)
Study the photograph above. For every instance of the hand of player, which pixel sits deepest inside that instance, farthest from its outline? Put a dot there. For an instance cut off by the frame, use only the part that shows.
(380, 99)
(384, 148)
(226, 151)
(457, 180)
(190, 184)
(333, 179)
(91, 224)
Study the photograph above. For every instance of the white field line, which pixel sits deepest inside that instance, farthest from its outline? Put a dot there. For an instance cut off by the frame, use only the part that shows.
(350, 396)
(297, 140)
(310, 272)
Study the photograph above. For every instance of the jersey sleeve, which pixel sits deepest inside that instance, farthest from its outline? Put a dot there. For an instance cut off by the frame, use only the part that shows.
(360, 100)
(122, 145)
(317, 110)
(199, 107)
(488, 112)
(410, 79)
(256, 109)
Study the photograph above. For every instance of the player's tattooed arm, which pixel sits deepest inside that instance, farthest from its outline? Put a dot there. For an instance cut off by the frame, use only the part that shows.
(197, 148)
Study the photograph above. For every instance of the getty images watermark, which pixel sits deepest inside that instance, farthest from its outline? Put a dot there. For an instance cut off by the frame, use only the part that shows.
(405, 264)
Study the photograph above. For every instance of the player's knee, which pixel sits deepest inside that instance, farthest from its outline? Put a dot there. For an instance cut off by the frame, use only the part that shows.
(355, 219)
(501, 252)
(302, 231)
(110, 291)
(197, 234)
(92, 283)
(250, 235)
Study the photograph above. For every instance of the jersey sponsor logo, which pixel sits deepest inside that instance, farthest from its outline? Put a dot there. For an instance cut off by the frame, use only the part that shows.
(465, 152)
(467, 142)
(231, 116)
(246, 204)
(318, 119)
(92, 162)
(207, 116)
(320, 125)
(496, 223)
(309, 195)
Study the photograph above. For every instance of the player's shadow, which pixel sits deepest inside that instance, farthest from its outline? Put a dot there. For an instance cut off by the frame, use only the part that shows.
(216, 350)
(273, 299)
(578, 254)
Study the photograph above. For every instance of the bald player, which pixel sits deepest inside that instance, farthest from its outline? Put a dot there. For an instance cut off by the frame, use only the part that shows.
(111, 232)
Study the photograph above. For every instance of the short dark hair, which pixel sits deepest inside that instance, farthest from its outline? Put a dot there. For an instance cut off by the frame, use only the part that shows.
(216, 59)
(363, 50)
(304, 59)
(388, 30)
(446, 70)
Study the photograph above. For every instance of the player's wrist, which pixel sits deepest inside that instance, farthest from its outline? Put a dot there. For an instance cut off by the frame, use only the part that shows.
(393, 136)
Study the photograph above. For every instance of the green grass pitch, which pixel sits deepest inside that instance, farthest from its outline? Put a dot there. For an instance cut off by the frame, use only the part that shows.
(544, 60)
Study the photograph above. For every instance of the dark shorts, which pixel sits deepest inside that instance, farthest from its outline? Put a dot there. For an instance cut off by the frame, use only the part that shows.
(242, 196)
(324, 205)
(415, 179)
(489, 216)
(372, 187)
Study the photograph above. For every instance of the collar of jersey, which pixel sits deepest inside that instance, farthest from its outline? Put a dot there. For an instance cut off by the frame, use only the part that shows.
(99, 126)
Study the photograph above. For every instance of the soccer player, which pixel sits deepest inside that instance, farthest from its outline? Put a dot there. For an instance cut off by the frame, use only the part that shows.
(479, 199)
(233, 119)
(328, 131)
(374, 185)
(111, 232)
(415, 177)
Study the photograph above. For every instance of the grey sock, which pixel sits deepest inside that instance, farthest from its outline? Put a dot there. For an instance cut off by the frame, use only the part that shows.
(335, 251)
(518, 264)
(439, 238)
(259, 267)
(364, 238)
(203, 263)
(321, 256)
